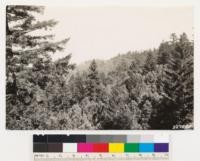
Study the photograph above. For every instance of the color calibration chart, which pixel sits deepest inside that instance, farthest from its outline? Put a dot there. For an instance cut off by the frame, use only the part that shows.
(101, 147)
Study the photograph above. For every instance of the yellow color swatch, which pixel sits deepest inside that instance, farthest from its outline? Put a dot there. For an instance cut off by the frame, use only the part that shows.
(116, 147)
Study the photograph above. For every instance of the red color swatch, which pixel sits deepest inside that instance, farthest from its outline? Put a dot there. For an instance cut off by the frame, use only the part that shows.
(101, 147)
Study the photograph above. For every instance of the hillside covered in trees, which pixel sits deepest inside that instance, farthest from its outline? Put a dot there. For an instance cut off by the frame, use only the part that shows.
(152, 89)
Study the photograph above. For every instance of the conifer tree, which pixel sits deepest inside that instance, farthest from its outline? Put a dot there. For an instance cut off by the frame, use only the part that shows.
(163, 53)
(134, 82)
(28, 64)
(93, 82)
(179, 79)
(150, 63)
(23, 50)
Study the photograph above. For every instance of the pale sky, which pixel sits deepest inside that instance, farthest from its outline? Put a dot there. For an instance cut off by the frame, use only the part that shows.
(103, 32)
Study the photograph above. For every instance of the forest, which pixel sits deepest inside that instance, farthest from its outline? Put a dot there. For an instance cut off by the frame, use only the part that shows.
(136, 90)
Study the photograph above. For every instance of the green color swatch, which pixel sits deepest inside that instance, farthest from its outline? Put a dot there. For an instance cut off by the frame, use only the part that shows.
(131, 147)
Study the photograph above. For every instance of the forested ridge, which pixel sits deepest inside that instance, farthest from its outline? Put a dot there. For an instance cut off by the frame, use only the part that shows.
(151, 89)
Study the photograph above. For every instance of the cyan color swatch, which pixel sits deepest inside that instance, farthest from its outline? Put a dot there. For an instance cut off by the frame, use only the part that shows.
(146, 147)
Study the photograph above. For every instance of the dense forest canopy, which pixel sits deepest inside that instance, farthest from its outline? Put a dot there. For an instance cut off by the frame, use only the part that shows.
(152, 89)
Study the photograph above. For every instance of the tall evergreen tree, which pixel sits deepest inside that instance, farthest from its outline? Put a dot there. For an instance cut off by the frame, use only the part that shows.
(28, 65)
(23, 50)
(164, 53)
(93, 88)
(179, 79)
(77, 87)
(134, 81)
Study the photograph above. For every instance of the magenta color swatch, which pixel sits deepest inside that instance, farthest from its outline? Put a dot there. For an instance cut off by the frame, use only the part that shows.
(85, 147)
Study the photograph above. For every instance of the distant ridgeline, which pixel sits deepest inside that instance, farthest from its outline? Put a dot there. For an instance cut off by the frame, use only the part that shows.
(110, 65)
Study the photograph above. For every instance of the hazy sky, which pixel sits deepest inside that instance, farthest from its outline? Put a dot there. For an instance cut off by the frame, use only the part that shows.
(103, 32)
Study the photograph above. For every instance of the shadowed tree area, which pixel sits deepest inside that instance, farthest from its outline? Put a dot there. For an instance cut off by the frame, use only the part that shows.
(151, 89)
